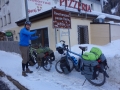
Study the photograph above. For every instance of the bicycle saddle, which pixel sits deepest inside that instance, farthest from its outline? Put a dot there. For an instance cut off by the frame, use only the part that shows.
(83, 48)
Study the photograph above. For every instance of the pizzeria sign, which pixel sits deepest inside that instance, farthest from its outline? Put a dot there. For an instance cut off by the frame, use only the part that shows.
(75, 5)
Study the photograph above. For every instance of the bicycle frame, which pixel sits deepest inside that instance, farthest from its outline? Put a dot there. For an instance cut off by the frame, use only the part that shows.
(69, 56)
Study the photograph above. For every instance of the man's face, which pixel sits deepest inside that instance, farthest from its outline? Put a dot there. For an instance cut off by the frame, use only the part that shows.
(28, 26)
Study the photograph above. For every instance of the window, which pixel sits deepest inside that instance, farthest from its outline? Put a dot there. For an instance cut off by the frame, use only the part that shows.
(43, 39)
(5, 21)
(9, 18)
(1, 22)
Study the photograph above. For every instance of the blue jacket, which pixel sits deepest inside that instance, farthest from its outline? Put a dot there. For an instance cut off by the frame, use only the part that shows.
(25, 36)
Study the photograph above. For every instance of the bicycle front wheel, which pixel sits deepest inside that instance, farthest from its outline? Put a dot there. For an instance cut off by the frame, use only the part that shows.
(59, 70)
(47, 64)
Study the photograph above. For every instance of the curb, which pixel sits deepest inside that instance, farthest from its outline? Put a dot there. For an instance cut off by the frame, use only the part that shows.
(16, 83)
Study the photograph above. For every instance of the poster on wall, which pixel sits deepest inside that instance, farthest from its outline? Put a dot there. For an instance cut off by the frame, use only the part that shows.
(39, 6)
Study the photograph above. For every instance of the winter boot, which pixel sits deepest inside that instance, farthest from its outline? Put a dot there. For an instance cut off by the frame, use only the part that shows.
(24, 74)
(28, 70)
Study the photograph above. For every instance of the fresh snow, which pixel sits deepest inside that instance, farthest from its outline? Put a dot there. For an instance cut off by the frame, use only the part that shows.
(102, 16)
(10, 63)
(113, 10)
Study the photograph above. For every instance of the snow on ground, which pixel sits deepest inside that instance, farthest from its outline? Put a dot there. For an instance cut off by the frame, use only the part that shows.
(8, 83)
(10, 63)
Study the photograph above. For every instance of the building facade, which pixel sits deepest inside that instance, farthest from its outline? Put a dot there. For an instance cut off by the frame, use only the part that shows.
(82, 16)
(10, 12)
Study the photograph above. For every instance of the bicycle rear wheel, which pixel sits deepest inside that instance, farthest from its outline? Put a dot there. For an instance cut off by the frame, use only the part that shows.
(47, 64)
(100, 80)
(59, 70)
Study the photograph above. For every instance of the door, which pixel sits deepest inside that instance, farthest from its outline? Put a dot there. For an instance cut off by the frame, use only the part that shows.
(83, 37)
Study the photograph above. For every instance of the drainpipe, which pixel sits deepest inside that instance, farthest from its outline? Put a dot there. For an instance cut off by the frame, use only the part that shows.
(26, 10)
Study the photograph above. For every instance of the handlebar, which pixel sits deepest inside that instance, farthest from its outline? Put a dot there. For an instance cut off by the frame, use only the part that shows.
(62, 41)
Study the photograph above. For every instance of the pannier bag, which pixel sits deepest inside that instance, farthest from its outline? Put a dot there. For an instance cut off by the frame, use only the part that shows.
(88, 69)
(64, 65)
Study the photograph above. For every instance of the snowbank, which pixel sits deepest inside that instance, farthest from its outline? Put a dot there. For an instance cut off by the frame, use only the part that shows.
(112, 53)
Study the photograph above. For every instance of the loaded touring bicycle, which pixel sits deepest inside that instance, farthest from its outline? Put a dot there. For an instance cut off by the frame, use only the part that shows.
(92, 65)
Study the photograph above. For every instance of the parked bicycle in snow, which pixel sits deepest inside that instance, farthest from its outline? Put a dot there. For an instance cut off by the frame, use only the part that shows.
(42, 56)
(92, 65)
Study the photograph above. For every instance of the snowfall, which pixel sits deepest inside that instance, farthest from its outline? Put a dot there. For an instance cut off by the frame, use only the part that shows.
(10, 63)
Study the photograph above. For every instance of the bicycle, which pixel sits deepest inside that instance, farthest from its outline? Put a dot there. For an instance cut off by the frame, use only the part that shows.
(99, 72)
(45, 61)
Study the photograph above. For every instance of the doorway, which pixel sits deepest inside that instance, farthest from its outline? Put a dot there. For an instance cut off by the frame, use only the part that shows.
(83, 37)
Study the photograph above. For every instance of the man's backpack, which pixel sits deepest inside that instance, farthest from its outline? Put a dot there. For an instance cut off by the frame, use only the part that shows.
(64, 65)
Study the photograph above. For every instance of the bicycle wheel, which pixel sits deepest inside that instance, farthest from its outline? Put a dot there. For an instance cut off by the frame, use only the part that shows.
(47, 64)
(59, 70)
(100, 80)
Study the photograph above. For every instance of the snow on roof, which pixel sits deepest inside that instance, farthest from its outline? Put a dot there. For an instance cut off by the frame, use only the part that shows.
(91, 13)
(102, 16)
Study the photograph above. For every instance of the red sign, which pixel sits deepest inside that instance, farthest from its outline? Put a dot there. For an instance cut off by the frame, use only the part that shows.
(61, 19)
(75, 4)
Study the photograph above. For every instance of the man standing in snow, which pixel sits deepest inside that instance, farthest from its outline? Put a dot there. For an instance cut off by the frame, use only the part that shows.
(25, 36)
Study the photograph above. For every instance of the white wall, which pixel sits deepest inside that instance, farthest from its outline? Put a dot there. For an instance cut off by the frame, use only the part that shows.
(96, 5)
(14, 7)
(115, 32)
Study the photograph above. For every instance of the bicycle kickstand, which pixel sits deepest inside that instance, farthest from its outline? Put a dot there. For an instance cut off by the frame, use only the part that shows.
(38, 67)
(84, 82)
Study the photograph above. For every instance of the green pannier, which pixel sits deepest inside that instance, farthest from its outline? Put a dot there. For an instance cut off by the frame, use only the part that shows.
(42, 50)
(89, 56)
(96, 51)
(39, 50)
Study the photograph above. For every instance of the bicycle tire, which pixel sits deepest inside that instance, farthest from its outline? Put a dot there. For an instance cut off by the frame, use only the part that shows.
(72, 67)
(98, 84)
(47, 62)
